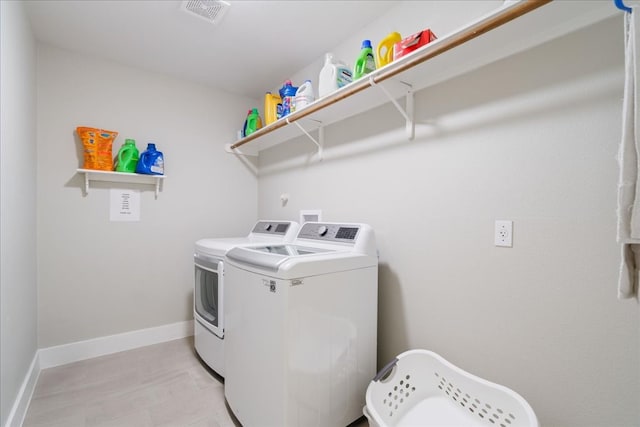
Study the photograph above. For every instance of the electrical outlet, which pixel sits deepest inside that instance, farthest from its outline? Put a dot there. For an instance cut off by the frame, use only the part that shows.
(504, 233)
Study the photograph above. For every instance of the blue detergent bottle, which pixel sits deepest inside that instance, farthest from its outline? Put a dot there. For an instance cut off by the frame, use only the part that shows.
(151, 161)
(288, 95)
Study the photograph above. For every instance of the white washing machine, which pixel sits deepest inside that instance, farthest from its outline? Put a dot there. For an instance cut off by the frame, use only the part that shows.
(301, 327)
(210, 283)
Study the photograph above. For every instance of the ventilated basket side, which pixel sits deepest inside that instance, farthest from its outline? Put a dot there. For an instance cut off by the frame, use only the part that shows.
(432, 377)
(404, 385)
(492, 404)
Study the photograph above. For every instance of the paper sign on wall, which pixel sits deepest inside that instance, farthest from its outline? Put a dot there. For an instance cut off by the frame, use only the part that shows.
(125, 205)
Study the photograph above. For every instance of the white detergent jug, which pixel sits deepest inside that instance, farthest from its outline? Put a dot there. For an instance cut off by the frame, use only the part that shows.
(304, 95)
(333, 76)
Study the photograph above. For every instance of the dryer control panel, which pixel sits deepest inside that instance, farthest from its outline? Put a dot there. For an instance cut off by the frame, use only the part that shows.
(331, 232)
(275, 228)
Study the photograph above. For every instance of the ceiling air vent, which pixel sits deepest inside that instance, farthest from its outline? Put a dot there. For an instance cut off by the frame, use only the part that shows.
(211, 11)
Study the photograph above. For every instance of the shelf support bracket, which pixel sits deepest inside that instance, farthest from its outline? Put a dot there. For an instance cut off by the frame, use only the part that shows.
(86, 184)
(237, 151)
(407, 112)
(243, 157)
(320, 143)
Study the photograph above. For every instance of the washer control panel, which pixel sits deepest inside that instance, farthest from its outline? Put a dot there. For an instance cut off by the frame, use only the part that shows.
(271, 227)
(346, 233)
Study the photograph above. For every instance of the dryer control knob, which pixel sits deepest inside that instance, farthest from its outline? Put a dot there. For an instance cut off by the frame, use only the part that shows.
(267, 227)
(322, 230)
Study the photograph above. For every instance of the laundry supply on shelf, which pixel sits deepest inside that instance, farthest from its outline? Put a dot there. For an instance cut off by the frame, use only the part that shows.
(304, 95)
(127, 158)
(384, 51)
(151, 161)
(333, 75)
(252, 123)
(272, 108)
(413, 42)
(288, 94)
(365, 63)
(97, 147)
(244, 125)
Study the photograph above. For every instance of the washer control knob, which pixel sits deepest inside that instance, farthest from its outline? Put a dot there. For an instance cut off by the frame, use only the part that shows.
(267, 227)
(322, 230)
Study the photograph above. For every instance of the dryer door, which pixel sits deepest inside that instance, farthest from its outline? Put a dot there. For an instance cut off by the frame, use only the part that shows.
(209, 289)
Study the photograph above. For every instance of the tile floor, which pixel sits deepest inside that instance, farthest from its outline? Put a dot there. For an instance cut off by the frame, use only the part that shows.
(160, 385)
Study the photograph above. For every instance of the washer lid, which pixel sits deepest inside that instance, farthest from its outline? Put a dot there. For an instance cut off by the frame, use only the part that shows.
(219, 247)
(301, 261)
(289, 250)
(270, 257)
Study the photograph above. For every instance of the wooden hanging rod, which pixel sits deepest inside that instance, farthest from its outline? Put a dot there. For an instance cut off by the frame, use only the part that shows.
(429, 51)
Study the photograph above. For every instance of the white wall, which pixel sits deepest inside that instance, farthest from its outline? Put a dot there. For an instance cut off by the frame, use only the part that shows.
(18, 290)
(97, 277)
(533, 139)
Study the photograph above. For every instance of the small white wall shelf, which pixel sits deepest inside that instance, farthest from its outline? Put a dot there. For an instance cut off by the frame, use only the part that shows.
(133, 178)
(508, 30)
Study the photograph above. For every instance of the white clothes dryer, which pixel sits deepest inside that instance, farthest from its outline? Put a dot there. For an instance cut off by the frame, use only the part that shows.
(301, 327)
(210, 283)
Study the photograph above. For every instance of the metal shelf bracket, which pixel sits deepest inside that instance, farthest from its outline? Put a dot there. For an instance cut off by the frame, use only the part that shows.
(243, 157)
(320, 142)
(406, 112)
(157, 187)
(86, 184)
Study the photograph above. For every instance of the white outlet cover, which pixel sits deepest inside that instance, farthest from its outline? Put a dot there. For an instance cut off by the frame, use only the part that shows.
(503, 235)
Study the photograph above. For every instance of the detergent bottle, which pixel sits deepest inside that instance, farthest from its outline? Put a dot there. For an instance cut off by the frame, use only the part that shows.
(151, 161)
(253, 122)
(128, 155)
(384, 52)
(288, 94)
(333, 75)
(304, 95)
(272, 108)
(365, 62)
(244, 126)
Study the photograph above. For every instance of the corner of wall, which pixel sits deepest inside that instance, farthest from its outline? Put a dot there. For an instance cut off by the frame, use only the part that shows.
(21, 404)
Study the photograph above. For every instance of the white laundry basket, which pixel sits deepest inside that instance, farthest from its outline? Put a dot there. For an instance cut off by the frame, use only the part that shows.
(420, 388)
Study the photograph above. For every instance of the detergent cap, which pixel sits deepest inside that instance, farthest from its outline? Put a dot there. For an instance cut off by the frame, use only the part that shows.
(129, 141)
(151, 146)
(366, 44)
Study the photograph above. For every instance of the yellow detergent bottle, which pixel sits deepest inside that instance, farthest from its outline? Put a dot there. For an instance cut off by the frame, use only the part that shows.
(384, 52)
(272, 103)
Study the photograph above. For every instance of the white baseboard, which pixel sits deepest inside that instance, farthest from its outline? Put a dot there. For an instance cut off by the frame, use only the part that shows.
(81, 350)
(21, 404)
